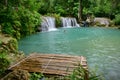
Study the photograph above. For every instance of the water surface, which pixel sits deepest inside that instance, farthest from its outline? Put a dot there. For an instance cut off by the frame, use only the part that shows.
(101, 47)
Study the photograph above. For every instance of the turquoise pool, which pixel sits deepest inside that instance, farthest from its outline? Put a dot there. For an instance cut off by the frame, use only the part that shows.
(101, 47)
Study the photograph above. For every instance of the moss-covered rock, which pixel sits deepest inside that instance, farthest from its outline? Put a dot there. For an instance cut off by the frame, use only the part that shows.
(9, 53)
(8, 44)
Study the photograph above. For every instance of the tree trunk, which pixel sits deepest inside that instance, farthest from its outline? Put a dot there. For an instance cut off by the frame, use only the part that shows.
(80, 11)
(6, 2)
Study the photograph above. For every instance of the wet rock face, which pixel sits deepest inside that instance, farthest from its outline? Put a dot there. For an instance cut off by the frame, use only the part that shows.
(102, 21)
(17, 75)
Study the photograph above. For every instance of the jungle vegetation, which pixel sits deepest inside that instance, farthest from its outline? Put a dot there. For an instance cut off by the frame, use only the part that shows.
(19, 18)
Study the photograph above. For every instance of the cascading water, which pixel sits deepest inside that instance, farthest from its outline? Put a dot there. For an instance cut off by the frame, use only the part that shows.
(48, 24)
(69, 22)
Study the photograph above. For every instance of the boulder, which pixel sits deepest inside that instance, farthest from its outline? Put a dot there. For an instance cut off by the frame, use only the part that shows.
(102, 21)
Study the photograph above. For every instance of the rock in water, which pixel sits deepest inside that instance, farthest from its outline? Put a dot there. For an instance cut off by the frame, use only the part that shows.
(102, 21)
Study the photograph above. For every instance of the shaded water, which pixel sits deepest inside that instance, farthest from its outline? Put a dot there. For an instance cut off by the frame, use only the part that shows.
(101, 47)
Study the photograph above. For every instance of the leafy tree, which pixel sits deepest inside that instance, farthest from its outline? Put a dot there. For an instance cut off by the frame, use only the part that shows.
(19, 17)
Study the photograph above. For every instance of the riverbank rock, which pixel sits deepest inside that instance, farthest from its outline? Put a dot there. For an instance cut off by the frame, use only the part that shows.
(118, 27)
(9, 47)
(8, 44)
(17, 75)
(102, 21)
(9, 53)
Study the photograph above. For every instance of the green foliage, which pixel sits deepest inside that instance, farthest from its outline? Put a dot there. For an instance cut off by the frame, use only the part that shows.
(4, 63)
(6, 21)
(36, 76)
(13, 45)
(93, 76)
(61, 7)
(82, 74)
(60, 10)
(58, 20)
(78, 74)
(117, 19)
(7, 28)
(99, 8)
(19, 17)
(29, 21)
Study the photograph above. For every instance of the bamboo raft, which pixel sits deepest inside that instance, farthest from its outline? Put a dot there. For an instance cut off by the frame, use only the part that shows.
(51, 64)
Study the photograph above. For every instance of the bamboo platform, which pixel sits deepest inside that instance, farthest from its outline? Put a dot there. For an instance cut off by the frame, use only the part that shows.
(51, 64)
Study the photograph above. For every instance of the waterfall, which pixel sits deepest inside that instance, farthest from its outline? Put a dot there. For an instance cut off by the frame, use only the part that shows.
(48, 24)
(69, 22)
